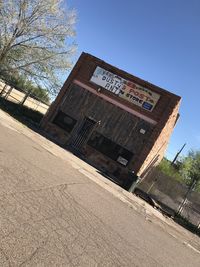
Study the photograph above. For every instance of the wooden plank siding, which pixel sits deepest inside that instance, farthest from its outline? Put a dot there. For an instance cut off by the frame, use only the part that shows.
(116, 124)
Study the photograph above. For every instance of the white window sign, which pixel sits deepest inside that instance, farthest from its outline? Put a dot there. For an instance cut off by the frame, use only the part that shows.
(130, 91)
(107, 80)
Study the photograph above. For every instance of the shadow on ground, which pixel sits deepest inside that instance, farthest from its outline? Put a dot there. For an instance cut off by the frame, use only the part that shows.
(27, 116)
(31, 118)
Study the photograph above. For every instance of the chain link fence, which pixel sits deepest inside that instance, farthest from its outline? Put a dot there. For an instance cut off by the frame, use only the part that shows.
(173, 195)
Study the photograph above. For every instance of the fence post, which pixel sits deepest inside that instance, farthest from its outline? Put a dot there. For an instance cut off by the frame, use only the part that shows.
(25, 97)
(8, 92)
(182, 205)
(152, 185)
(156, 174)
(4, 89)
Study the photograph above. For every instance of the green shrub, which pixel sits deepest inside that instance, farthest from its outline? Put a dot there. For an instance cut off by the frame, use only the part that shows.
(166, 167)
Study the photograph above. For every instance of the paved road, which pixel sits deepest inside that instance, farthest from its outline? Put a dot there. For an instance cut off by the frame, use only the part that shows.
(53, 214)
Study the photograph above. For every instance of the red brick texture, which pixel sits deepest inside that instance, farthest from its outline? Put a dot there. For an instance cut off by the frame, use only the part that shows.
(164, 114)
(154, 156)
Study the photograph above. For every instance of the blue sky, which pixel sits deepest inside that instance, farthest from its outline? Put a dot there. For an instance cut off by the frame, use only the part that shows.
(158, 41)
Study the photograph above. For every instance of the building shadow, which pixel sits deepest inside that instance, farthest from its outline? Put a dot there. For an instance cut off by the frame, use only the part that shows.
(32, 118)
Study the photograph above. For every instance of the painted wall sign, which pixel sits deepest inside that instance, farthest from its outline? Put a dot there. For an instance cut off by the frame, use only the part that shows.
(125, 89)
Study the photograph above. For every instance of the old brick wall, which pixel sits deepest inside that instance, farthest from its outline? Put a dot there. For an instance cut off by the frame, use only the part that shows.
(88, 66)
(116, 124)
(164, 114)
(83, 71)
(160, 143)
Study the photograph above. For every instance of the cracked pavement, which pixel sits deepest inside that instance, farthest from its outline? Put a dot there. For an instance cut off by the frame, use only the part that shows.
(56, 210)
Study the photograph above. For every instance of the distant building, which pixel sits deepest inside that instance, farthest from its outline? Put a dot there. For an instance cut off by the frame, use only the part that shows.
(119, 122)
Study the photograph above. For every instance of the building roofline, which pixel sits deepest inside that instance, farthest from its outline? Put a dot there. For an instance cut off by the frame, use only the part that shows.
(137, 79)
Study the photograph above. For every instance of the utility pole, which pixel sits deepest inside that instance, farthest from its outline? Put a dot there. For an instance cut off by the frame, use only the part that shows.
(177, 154)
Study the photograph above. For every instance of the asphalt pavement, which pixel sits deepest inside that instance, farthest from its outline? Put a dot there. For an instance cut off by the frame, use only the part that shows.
(56, 210)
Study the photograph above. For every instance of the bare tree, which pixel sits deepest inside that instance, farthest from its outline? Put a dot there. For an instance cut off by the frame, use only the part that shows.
(36, 40)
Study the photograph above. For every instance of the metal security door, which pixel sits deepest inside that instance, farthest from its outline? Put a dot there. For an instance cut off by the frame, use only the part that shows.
(82, 135)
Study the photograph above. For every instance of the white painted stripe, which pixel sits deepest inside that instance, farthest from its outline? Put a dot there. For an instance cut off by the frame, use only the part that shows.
(114, 102)
(193, 248)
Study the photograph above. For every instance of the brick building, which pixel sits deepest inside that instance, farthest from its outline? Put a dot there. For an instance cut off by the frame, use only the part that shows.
(118, 122)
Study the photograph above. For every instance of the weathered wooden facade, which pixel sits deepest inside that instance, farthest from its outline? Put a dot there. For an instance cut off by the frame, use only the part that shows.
(120, 123)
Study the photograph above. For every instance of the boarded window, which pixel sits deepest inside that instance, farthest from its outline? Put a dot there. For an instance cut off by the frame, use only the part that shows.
(110, 148)
(64, 121)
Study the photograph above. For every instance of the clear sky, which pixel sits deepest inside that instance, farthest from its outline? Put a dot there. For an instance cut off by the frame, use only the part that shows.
(156, 40)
